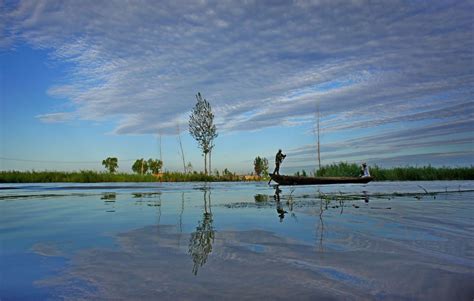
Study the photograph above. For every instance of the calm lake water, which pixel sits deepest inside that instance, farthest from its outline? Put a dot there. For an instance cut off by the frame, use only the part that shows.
(246, 241)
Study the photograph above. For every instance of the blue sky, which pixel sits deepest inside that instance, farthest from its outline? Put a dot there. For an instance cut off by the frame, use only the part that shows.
(83, 80)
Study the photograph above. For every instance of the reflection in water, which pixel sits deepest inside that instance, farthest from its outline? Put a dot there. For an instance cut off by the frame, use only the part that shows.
(200, 243)
(320, 227)
(180, 222)
(109, 200)
(261, 198)
(426, 246)
(366, 196)
(281, 212)
(150, 199)
(109, 196)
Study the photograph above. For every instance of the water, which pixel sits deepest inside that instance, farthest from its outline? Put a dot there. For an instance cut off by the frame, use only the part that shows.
(168, 241)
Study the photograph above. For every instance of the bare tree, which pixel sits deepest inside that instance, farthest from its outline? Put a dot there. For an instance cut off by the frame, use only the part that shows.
(202, 127)
(181, 147)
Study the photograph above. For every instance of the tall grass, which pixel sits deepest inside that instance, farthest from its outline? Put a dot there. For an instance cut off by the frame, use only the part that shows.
(407, 173)
(84, 176)
(88, 176)
(342, 169)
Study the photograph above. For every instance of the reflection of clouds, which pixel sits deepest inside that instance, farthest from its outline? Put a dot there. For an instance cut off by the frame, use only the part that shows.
(254, 264)
(46, 249)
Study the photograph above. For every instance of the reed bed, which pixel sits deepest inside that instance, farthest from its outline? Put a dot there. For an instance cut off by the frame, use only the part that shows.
(88, 176)
(407, 173)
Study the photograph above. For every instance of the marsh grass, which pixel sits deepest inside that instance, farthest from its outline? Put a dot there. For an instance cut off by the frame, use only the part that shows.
(407, 173)
(88, 176)
(342, 169)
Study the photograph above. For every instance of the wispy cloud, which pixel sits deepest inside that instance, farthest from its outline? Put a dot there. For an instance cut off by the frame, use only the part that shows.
(260, 64)
(55, 117)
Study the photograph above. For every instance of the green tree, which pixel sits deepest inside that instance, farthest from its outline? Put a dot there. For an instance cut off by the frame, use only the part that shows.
(260, 166)
(111, 164)
(155, 165)
(265, 167)
(140, 166)
(202, 127)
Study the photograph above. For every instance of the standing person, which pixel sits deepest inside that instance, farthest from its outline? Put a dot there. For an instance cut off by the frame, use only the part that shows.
(278, 159)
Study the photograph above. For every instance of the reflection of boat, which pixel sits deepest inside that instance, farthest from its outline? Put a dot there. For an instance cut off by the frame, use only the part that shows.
(294, 180)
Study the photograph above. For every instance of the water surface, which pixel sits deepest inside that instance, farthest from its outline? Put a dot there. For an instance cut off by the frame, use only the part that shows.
(380, 241)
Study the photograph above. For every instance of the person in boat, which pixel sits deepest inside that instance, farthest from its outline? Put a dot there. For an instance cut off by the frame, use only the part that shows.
(278, 160)
(364, 170)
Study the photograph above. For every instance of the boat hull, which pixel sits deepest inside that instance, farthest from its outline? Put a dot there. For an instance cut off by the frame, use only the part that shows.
(293, 180)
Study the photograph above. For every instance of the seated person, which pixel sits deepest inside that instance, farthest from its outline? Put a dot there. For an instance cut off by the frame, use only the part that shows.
(365, 170)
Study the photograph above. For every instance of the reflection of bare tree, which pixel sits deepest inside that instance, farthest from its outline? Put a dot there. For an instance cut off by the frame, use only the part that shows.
(159, 209)
(181, 220)
(290, 204)
(200, 243)
(320, 227)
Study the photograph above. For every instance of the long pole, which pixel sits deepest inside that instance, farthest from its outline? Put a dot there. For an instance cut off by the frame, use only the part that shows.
(319, 146)
(161, 157)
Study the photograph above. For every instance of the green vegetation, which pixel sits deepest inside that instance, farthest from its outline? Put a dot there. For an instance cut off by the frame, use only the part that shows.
(427, 173)
(140, 166)
(84, 176)
(88, 176)
(407, 173)
(155, 165)
(111, 164)
(260, 166)
(202, 128)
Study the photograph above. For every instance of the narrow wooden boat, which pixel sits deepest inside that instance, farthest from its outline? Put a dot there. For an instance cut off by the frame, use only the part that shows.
(293, 180)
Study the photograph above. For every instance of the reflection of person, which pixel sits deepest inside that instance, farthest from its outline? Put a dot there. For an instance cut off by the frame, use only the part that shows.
(278, 160)
(364, 170)
(366, 196)
(281, 212)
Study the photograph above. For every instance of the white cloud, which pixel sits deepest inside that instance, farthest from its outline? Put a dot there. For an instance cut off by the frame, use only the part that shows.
(259, 65)
(55, 117)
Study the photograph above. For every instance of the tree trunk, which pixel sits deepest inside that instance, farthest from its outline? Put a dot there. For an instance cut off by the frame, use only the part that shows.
(205, 163)
(210, 156)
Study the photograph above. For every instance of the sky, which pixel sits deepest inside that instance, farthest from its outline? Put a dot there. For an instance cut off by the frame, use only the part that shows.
(80, 81)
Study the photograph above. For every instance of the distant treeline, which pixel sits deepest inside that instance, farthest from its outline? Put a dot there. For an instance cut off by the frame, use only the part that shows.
(408, 173)
(88, 176)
